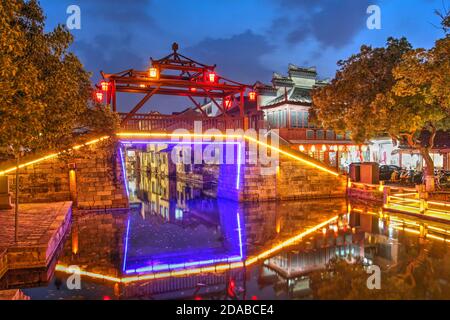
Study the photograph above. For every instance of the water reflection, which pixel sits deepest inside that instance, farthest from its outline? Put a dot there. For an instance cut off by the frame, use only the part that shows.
(177, 223)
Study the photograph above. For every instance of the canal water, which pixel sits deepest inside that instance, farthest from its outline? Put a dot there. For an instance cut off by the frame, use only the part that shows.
(178, 223)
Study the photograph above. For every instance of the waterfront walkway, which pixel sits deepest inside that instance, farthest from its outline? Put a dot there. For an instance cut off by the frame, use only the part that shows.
(42, 228)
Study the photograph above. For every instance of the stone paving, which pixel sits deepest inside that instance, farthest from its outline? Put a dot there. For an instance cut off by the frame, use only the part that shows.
(42, 227)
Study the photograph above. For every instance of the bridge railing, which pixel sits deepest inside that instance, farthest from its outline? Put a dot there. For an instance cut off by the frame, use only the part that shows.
(168, 123)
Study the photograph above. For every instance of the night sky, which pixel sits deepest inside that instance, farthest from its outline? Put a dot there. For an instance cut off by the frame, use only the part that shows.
(247, 39)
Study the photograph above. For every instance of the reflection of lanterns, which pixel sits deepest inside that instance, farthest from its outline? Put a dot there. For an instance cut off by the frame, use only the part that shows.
(324, 148)
(153, 73)
(252, 95)
(75, 241)
(335, 148)
(341, 148)
(301, 148)
(324, 231)
(313, 148)
(104, 85)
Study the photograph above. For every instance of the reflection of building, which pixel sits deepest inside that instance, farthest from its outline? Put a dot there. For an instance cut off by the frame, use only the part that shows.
(156, 158)
(356, 235)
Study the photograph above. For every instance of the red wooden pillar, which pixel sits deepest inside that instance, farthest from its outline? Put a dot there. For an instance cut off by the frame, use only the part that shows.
(241, 104)
(113, 93)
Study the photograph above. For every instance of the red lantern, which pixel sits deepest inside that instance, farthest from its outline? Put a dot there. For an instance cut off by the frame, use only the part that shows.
(211, 77)
(252, 95)
(99, 96)
(227, 102)
(192, 89)
(153, 73)
(104, 85)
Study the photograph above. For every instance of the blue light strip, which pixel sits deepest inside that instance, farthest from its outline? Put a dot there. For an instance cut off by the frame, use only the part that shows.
(238, 178)
(176, 142)
(240, 235)
(176, 266)
(238, 144)
(124, 171)
(126, 246)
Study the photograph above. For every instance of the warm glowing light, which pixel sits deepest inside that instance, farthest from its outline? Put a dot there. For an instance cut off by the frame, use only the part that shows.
(104, 85)
(153, 73)
(192, 89)
(212, 77)
(229, 136)
(215, 268)
(364, 148)
(51, 156)
(324, 148)
(301, 148)
(252, 95)
(227, 102)
(99, 96)
(313, 148)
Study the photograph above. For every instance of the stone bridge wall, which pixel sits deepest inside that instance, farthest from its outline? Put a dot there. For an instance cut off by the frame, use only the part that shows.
(293, 180)
(99, 184)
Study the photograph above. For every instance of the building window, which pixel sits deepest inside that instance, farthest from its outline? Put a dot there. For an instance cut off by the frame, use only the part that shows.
(294, 119)
(270, 118)
(320, 134)
(339, 136)
(305, 120)
(309, 134)
(330, 135)
(348, 136)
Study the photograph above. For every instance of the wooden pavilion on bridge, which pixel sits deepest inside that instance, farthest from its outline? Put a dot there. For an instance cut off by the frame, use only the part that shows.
(177, 75)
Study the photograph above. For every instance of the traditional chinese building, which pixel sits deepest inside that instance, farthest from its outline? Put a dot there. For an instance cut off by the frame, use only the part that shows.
(286, 104)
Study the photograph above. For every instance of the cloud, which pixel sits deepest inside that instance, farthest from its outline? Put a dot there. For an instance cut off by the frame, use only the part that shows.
(103, 53)
(333, 23)
(120, 13)
(239, 56)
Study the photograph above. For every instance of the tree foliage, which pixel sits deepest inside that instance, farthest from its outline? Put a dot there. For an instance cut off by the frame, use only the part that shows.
(347, 103)
(392, 90)
(46, 96)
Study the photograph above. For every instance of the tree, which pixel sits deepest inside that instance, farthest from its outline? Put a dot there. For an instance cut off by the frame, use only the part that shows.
(46, 95)
(422, 88)
(375, 93)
